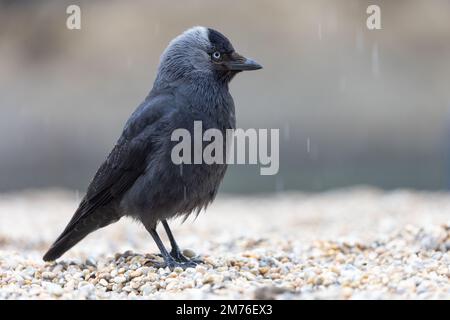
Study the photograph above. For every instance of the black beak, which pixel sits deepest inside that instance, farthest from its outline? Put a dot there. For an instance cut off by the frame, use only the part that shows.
(240, 63)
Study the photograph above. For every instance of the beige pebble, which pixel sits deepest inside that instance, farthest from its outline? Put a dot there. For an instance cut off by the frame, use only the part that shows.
(48, 275)
(189, 253)
(200, 269)
(103, 282)
(263, 270)
(135, 274)
(120, 279)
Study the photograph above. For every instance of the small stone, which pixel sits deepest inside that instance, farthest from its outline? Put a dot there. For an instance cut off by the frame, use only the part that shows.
(171, 285)
(190, 270)
(200, 269)
(135, 274)
(188, 253)
(91, 262)
(189, 284)
(151, 276)
(103, 282)
(178, 270)
(147, 289)
(263, 270)
(268, 293)
(48, 275)
(120, 279)
(347, 292)
(127, 289)
(53, 288)
(250, 276)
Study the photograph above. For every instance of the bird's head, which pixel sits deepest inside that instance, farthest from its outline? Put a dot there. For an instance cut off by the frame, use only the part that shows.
(202, 51)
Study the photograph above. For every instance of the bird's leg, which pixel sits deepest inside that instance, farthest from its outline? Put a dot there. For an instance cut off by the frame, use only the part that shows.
(165, 255)
(175, 252)
(168, 259)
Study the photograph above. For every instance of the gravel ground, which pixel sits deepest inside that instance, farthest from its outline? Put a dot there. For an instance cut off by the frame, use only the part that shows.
(356, 243)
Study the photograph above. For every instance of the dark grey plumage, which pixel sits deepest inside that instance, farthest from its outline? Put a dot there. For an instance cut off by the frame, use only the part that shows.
(138, 178)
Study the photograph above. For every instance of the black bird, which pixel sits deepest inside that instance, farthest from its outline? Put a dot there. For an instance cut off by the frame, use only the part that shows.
(138, 179)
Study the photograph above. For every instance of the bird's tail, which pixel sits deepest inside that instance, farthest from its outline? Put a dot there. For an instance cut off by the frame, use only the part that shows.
(70, 237)
(75, 232)
(64, 243)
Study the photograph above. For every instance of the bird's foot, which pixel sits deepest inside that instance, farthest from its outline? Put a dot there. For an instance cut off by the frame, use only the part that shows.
(173, 261)
(178, 256)
(172, 264)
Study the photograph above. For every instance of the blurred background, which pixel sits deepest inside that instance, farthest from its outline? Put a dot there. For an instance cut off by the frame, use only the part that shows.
(353, 106)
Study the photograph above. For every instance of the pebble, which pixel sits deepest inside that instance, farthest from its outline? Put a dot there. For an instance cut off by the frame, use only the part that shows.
(188, 253)
(48, 275)
(135, 274)
(147, 289)
(103, 282)
(53, 289)
(399, 260)
(120, 279)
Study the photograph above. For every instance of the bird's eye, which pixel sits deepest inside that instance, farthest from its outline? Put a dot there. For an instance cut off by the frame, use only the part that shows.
(216, 55)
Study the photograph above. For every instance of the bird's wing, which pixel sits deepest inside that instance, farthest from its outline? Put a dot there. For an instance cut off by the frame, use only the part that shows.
(123, 166)
(125, 163)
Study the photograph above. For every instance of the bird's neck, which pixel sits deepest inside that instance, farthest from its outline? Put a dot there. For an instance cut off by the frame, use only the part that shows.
(202, 93)
(208, 96)
(200, 88)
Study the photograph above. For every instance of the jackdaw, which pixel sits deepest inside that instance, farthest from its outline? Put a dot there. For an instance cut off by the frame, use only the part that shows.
(138, 179)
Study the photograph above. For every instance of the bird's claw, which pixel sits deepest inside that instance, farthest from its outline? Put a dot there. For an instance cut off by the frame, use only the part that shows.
(172, 264)
(173, 261)
(179, 257)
